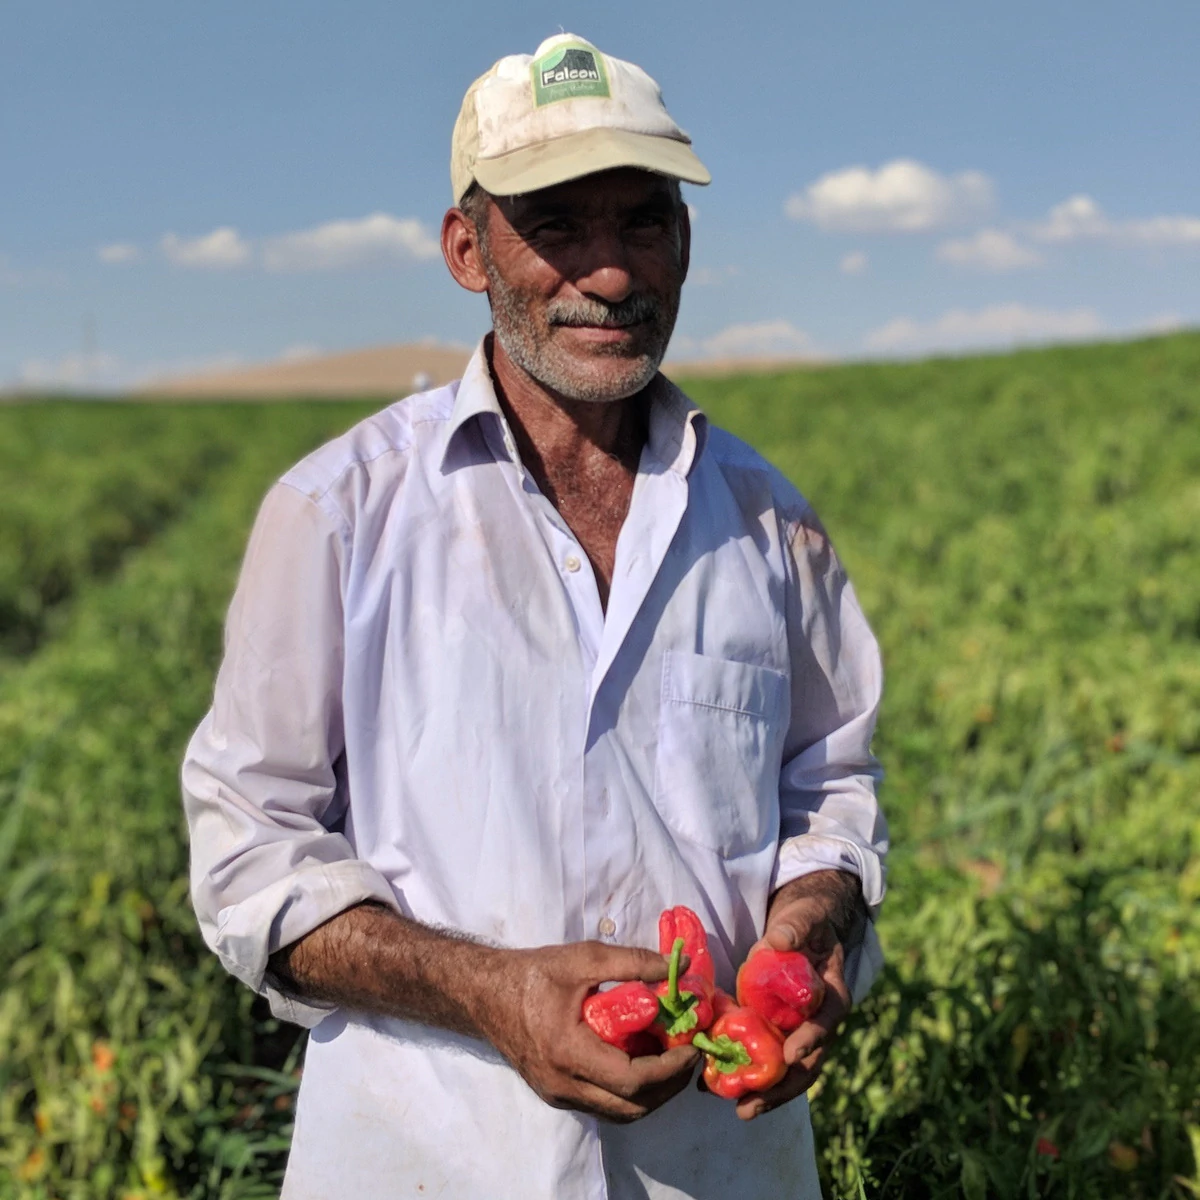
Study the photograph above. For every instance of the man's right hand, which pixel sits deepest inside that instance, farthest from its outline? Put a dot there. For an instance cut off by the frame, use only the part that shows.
(535, 1019)
(527, 1003)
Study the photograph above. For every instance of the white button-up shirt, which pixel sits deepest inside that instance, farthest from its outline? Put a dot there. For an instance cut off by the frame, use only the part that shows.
(422, 702)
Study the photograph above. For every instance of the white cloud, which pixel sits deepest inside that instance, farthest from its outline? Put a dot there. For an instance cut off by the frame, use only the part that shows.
(119, 253)
(1076, 217)
(1080, 218)
(761, 339)
(1165, 231)
(335, 245)
(109, 372)
(222, 248)
(300, 352)
(377, 238)
(707, 276)
(902, 196)
(29, 277)
(999, 325)
(1166, 322)
(102, 372)
(855, 263)
(72, 372)
(989, 250)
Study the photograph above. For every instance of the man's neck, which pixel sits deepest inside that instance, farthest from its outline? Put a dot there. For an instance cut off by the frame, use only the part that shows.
(583, 455)
(561, 432)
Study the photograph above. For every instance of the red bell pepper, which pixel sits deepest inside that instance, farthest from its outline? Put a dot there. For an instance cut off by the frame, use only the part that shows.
(642, 1020)
(782, 985)
(623, 1015)
(722, 1003)
(681, 922)
(680, 927)
(743, 1052)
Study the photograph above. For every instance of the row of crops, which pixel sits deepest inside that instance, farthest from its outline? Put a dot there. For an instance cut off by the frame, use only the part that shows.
(128, 1065)
(1024, 534)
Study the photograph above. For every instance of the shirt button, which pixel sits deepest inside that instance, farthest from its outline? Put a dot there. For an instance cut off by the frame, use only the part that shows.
(572, 563)
(607, 927)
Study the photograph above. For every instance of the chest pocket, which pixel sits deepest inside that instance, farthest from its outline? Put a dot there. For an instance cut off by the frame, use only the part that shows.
(720, 742)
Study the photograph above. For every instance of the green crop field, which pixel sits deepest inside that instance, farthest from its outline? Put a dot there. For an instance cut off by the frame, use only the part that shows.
(1024, 532)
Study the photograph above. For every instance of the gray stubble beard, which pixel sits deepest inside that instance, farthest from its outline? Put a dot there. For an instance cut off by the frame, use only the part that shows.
(535, 352)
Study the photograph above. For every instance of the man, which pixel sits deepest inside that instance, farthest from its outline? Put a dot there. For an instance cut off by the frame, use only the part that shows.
(511, 667)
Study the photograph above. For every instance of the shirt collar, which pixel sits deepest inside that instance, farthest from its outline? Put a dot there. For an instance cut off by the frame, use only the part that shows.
(678, 429)
(475, 397)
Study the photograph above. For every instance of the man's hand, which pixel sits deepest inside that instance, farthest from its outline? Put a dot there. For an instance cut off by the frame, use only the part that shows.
(823, 915)
(527, 1003)
(537, 1025)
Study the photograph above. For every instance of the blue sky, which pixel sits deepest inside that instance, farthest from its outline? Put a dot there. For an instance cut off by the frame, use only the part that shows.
(887, 178)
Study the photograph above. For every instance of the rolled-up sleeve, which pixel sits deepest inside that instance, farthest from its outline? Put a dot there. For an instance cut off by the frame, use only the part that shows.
(263, 786)
(830, 816)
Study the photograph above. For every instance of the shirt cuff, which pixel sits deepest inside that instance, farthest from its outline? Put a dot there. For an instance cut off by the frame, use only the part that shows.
(290, 908)
(806, 853)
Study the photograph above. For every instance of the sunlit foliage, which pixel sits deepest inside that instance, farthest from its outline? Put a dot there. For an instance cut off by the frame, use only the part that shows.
(1024, 532)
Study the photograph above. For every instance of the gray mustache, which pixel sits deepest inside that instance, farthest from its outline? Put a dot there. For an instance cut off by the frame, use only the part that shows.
(630, 311)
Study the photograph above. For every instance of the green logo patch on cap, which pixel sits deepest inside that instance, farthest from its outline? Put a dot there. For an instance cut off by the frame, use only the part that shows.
(567, 72)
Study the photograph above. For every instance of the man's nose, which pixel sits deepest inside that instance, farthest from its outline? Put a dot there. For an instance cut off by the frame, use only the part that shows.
(605, 270)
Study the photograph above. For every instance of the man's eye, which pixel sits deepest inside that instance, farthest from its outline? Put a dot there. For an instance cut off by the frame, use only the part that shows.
(649, 221)
(553, 227)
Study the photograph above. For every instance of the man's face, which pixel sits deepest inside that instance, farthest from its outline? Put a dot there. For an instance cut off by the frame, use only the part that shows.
(584, 281)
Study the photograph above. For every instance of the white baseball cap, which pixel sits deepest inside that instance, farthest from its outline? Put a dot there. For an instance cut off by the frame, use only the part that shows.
(566, 110)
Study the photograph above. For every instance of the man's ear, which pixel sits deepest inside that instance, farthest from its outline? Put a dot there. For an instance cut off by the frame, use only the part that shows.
(460, 249)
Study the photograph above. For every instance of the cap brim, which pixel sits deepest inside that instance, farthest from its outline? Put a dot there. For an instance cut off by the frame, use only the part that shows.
(585, 153)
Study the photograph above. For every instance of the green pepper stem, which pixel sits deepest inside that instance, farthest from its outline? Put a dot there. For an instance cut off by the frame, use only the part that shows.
(726, 1052)
(675, 1008)
(703, 1042)
(673, 976)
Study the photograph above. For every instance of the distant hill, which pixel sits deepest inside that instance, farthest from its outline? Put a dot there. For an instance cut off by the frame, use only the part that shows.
(376, 371)
(382, 371)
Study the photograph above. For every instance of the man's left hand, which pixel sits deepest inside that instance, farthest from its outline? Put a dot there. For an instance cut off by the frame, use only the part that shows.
(820, 914)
